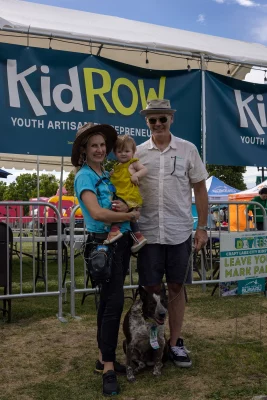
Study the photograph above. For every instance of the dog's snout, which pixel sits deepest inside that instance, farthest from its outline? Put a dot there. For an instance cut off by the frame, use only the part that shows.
(162, 315)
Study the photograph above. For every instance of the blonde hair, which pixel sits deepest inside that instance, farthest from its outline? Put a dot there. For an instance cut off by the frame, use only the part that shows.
(123, 141)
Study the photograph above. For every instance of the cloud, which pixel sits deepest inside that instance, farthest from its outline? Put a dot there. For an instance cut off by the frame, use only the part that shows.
(247, 3)
(243, 3)
(201, 18)
(259, 33)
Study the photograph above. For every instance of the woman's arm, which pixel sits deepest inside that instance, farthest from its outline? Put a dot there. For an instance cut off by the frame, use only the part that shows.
(102, 214)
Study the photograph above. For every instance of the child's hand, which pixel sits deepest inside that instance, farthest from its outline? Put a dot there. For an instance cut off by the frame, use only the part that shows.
(135, 180)
(111, 172)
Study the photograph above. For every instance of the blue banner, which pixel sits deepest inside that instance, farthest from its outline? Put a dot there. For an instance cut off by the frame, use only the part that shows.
(46, 95)
(236, 121)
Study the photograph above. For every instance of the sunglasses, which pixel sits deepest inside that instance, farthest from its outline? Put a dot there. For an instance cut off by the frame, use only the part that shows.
(154, 120)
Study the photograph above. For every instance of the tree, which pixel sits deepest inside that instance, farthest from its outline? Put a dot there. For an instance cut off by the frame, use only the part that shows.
(232, 176)
(48, 185)
(22, 189)
(69, 183)
(3, 187)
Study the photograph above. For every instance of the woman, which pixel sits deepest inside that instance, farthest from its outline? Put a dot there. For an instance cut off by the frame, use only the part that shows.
(95, 195)
(261, 199)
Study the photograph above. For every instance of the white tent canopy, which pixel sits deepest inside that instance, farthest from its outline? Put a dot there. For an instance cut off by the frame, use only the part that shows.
(29, 162)
(100, 33)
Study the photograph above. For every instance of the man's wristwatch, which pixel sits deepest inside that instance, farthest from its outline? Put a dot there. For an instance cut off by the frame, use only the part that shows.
(202, 228)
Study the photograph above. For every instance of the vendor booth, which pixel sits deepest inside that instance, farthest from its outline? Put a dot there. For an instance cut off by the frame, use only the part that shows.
(238, 214)
(217, 191)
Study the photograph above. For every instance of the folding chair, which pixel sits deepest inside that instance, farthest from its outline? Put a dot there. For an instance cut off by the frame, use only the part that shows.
(50, 229)
(6, 245)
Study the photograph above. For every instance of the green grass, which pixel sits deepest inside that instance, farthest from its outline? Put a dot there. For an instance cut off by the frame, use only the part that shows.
(43, 359)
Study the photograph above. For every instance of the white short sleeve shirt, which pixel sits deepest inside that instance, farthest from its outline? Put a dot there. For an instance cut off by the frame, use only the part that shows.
(166, 215)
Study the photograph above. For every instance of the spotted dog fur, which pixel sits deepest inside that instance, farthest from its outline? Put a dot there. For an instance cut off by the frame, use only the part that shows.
(149, 310)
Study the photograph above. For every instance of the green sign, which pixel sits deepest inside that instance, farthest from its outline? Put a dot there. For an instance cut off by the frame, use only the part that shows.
(250, 286)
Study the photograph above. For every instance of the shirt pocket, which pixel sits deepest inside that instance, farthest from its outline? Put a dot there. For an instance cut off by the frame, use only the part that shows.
(177, 167)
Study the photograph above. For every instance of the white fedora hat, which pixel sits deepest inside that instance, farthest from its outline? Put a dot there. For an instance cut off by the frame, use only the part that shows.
(158, 106)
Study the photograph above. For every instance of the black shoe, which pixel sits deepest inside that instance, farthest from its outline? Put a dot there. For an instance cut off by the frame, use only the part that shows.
(179, 354)
(118, 368)
(110, 384)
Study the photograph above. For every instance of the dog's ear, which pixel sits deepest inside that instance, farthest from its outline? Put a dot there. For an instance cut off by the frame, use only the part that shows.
(143, 293)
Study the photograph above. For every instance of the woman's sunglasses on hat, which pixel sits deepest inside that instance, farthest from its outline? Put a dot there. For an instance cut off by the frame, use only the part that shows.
(162, 120)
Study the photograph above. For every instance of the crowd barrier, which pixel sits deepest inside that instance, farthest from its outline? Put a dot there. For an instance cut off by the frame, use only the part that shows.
(205, 264)
(33, 244)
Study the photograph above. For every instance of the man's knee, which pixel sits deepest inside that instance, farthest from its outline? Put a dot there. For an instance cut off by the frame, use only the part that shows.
(153, 289)
(174, 288)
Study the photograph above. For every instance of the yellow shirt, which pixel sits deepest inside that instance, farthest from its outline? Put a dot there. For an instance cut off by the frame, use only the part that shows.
(125, 189)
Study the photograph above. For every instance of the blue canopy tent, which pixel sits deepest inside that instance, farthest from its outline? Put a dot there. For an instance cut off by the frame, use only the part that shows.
(217, 191)
(4, 174)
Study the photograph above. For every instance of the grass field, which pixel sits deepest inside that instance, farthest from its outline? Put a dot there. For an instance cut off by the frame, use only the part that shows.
(43, 359)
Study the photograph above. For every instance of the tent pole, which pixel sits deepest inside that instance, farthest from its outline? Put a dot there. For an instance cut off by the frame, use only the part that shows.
(203, 110)
(38, 176)
(61, 187)
(38, 195)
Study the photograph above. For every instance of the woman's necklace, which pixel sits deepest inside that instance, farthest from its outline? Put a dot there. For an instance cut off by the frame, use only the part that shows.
(111, 188)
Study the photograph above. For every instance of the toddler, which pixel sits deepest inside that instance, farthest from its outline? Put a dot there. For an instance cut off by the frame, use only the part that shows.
(125, 177)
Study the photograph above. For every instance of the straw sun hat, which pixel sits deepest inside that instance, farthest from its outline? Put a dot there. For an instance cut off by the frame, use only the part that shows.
(83, 134)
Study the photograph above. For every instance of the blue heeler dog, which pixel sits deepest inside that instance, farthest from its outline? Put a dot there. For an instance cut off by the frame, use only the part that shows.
(144, 327)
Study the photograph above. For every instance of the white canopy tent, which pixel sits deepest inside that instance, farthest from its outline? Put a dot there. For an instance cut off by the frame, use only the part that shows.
(28, 162)
(94, 33)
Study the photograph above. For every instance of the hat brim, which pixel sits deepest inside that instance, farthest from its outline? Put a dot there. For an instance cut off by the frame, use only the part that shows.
(157, 111)
(107, 131)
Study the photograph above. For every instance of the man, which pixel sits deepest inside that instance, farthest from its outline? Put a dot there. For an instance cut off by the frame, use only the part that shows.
(174, 166)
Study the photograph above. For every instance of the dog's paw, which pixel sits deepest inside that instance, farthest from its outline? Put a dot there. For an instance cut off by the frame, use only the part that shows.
(129, 374)
(131, 378)
(157, 369)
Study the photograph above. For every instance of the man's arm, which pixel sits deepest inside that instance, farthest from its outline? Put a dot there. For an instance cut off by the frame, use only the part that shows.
(201, 199)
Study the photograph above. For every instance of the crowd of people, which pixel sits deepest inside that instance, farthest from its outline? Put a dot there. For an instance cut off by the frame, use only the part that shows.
(152, 217)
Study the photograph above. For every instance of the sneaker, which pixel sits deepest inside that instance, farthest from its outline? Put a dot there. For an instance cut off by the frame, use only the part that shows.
(179, 354)
(110, 384)
(140, 241)
(120, 369)
(113, 236)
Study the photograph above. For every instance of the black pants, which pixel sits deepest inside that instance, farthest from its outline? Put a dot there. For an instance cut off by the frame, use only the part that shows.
(112, 300)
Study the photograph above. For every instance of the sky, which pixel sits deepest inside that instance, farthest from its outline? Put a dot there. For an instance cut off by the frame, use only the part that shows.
(244, 20)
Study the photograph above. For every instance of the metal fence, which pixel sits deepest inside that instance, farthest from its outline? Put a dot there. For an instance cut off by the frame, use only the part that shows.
(34, 234)
(205, 265)
(31, 239)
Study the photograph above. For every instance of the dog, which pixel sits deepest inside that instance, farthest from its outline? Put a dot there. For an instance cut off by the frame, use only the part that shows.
(144, 329)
